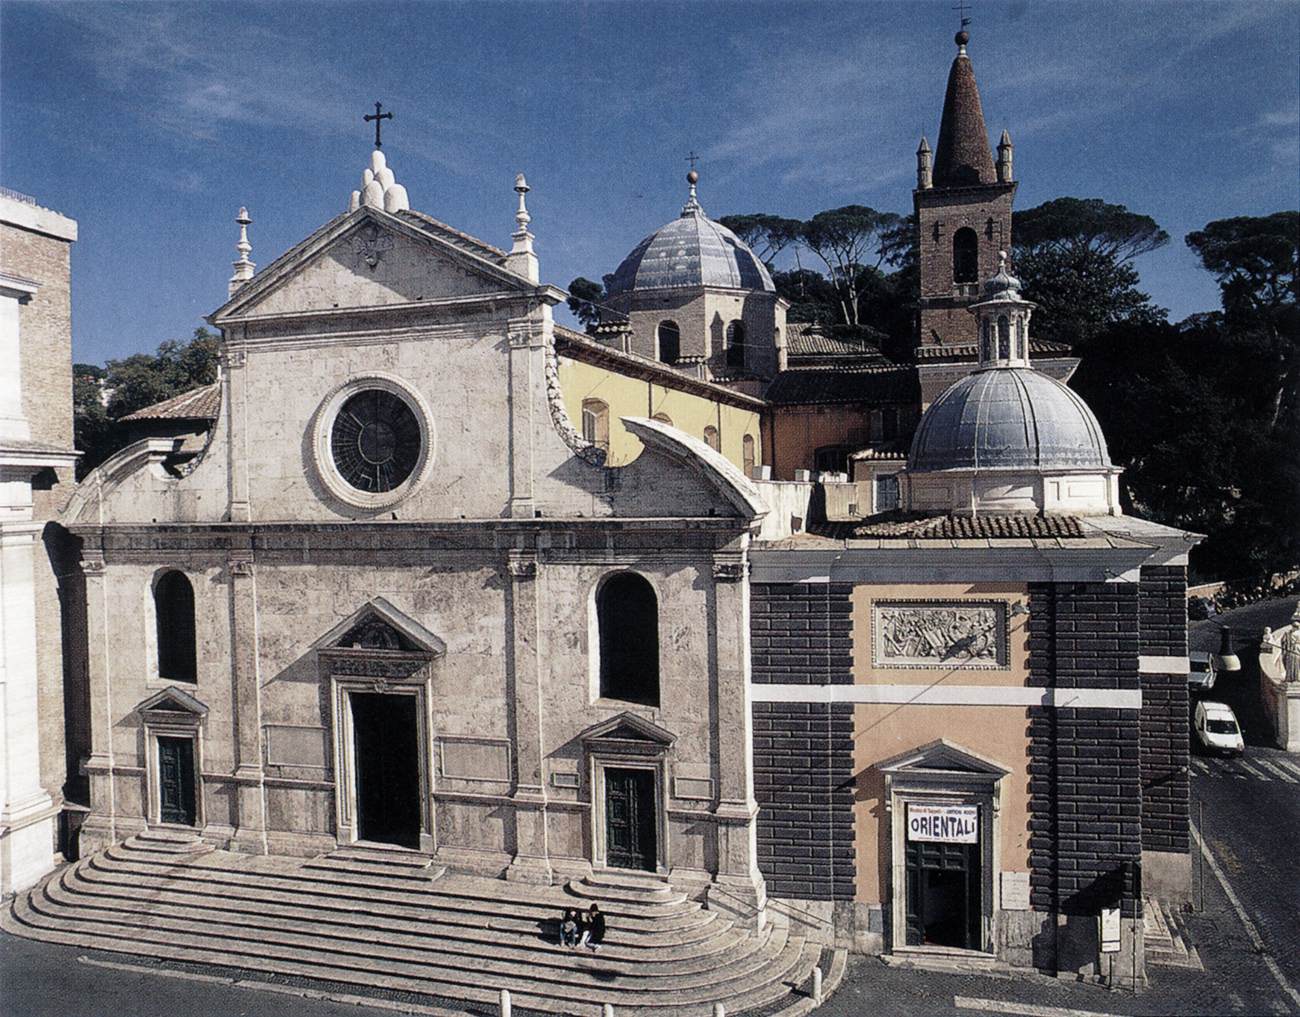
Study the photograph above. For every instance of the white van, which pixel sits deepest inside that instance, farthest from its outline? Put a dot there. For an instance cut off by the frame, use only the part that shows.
(1217, 729)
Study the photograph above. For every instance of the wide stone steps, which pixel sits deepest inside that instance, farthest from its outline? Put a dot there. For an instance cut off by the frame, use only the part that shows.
(671, 924)
(82, 887)
(375, 923)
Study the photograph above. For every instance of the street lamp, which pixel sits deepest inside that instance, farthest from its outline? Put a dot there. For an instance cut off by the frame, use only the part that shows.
(1226, 659)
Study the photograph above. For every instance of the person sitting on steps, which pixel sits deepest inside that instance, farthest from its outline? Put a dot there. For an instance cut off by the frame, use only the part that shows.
(570, 925)
(593, 928)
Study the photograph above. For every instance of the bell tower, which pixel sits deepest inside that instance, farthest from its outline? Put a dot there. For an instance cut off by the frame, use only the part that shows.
(963, 210)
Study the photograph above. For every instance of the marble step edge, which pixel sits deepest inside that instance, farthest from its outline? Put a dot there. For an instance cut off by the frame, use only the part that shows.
(514, 895)
(414, 895)
(78, 886)
(599, 892)
(692, 926)
(734, 1003)
(366, 967)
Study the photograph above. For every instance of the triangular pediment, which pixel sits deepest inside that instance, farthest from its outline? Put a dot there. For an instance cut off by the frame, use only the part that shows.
(378, 625)
(945, 756)
(628, 727)
(368, 259)
(173, 700)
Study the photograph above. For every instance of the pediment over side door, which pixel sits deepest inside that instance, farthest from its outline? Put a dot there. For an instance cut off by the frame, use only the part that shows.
(627, 735)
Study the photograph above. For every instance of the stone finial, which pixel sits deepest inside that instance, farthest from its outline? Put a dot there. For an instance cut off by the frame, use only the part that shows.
(379, 188)
(1005, 155)
(243, 267)
(692, 206)
(522, 259)
(924, 165)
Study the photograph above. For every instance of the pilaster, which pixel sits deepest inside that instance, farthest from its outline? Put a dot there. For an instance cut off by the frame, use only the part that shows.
(525, 371)
(531, 863)
(236, 393)
(245, 680)
(100, 828)
(738, 889)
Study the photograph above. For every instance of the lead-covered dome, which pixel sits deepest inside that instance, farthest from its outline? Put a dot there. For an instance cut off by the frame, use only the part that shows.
(689, 252)
(1008, 418)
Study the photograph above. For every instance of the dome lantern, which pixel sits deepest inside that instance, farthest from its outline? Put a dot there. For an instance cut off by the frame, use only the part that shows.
(1003, 320)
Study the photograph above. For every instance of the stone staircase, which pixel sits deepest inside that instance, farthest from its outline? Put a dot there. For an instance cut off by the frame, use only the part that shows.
(1165, 938)
(384, 921)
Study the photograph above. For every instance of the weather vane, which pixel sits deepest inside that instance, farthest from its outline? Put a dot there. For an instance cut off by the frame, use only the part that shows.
(378, 118)
(692, 159)
(961, 7)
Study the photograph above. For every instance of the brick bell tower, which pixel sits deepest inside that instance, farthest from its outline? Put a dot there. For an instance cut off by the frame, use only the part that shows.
(963, 210)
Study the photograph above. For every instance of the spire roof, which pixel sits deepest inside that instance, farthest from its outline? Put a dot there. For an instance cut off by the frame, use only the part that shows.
(963, 158)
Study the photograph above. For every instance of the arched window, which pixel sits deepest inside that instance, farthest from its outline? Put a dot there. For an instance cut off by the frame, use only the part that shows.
(663, 418)
(711, 438)
(986, 345)
(965, 256)
(627, 616)
(173, 604)
(747, 457)
(735, 344)
(595, 422)
(670, 341)
(1004, 337)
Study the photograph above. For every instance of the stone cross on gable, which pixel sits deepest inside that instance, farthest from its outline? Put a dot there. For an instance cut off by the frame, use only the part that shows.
(378, 117)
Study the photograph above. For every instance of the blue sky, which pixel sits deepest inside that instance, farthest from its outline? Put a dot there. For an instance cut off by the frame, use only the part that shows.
(152, 123)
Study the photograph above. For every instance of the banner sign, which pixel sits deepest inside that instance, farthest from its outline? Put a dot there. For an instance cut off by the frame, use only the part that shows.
(943, 824)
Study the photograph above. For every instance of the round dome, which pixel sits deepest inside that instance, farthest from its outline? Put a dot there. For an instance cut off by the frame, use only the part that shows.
(688, 252)
(1008, 418)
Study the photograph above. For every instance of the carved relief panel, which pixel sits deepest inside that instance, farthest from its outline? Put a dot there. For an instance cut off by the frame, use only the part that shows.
(929, 634)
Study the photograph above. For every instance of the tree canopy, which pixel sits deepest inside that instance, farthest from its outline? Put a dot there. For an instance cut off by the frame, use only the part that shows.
(846, 240)
(764, 234)
(1255, 259)
(1203, 415)
(585, 298)
(1080, 229)
(1074, 257)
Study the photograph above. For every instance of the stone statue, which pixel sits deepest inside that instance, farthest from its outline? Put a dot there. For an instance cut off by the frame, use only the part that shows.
(1279, 652)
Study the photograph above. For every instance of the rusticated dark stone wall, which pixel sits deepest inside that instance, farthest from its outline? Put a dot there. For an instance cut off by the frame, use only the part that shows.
(803, 780)
(802, 634)
(1166, 790)
(1085, 788)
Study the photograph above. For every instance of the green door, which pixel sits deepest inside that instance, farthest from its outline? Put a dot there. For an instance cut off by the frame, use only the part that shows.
(176, 780)
(630, 819)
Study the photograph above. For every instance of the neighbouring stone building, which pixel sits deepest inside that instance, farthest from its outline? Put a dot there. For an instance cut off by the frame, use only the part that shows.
(36, 464)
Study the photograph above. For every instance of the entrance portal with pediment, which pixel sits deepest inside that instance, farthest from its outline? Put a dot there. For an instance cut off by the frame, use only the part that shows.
(378, 663)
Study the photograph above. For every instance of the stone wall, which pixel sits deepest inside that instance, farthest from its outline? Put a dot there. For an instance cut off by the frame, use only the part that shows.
(1085, 789)
(1166, 791)
(941, 212)
(802, 634)
(803, 780)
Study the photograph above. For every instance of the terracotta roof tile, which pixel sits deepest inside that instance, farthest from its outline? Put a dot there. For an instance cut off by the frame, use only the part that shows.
(929, 527)
(970, 351)
(197, 404)
(804, 339)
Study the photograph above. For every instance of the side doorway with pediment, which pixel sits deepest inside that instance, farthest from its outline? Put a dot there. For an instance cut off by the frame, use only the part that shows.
(627, 759)
(379, 667)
